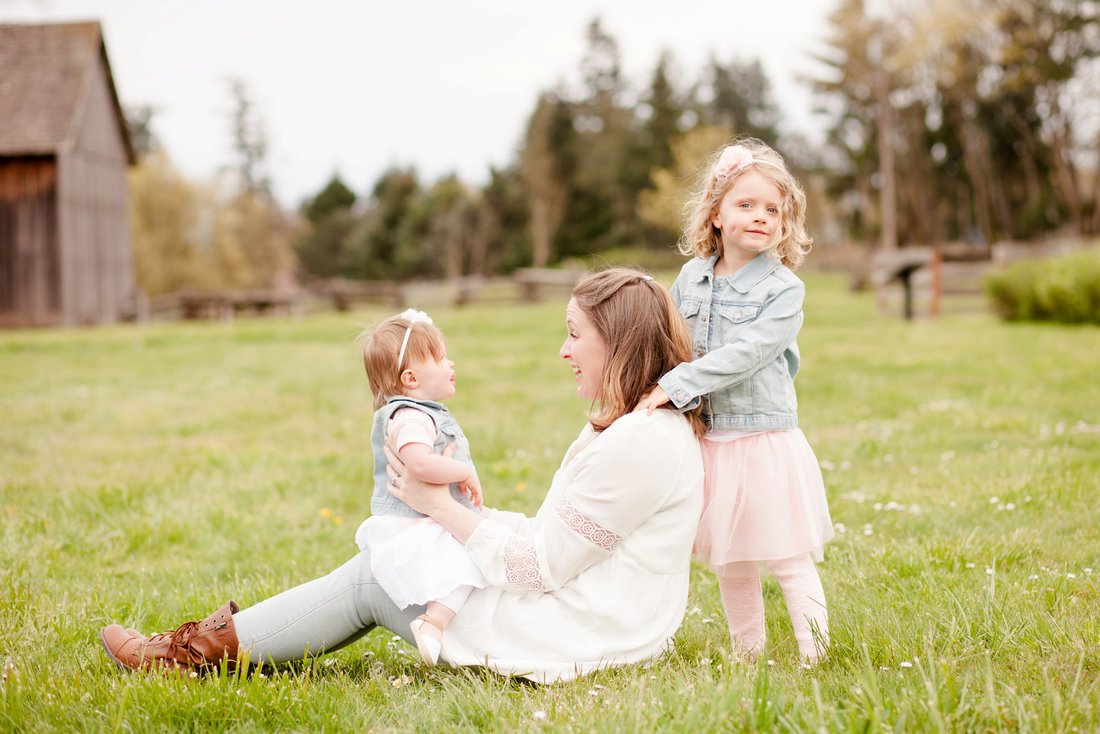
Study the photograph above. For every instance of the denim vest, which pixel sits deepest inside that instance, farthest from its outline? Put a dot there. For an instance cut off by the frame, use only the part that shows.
(743, 330)
(384, 503)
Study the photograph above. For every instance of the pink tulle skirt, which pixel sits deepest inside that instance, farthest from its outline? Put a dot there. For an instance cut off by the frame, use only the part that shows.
(763, 499)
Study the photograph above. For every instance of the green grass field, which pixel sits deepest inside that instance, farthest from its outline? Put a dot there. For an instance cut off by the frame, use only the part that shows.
(148, 474)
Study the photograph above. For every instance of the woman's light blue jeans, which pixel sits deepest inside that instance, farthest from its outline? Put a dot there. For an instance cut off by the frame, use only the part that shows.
(321, 616)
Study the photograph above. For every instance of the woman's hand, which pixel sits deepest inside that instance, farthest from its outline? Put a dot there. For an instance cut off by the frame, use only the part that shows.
(422, 496)
(433, 500)
(651, 401)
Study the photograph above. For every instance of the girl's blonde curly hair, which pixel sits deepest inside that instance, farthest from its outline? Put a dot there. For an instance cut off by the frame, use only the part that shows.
(700, 238)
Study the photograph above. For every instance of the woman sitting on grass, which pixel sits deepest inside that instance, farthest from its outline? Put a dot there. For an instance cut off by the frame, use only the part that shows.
(598, 578)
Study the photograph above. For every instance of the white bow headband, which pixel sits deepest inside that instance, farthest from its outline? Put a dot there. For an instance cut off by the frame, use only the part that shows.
(413, 317)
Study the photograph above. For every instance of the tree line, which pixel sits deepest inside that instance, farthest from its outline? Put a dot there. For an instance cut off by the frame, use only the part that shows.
(968, 120)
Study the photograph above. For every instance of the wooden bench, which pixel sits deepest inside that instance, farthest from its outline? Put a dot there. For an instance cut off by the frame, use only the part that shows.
(345, 292)
(224, 305)
(931, 273)
(534, 283)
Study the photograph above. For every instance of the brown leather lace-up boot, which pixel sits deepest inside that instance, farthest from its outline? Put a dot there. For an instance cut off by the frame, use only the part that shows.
(199, 646)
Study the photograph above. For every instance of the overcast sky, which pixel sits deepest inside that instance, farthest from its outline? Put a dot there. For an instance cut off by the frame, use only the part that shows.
(357, 86)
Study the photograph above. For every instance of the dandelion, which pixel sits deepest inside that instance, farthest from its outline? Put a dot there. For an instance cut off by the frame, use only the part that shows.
(326, 513)
(337, 520)
(539, 715)
(521, 487)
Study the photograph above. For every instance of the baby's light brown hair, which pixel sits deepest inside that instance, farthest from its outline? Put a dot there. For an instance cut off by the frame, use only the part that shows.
(382, 347)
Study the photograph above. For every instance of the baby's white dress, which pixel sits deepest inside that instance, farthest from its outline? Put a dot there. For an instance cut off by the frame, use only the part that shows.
(415, 559)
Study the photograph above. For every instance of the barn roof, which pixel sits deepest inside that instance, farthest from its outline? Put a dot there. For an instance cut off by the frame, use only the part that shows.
(45, 72)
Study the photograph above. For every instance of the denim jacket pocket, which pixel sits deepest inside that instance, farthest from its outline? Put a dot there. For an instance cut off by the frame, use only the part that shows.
(738, 313)
(689, 308)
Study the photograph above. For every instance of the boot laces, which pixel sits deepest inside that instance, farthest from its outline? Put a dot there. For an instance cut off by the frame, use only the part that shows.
(179, 641)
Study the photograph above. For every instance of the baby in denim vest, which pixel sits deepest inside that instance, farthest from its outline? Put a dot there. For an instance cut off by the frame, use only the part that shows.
(413, 558)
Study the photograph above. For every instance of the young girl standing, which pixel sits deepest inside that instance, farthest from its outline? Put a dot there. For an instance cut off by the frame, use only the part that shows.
(414, 559)
(764, 498)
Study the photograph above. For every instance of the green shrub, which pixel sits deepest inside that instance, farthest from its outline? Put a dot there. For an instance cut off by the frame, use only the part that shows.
(1064, 289)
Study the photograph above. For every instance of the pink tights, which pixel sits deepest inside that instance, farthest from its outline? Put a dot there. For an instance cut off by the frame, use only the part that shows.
(743, 600)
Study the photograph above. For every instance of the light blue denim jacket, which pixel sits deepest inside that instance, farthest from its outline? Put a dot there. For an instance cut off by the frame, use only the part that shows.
(384, 503)
(743, 330)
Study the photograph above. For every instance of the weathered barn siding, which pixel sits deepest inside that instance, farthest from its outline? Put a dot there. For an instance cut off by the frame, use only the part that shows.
(30, 260)
(95, 231)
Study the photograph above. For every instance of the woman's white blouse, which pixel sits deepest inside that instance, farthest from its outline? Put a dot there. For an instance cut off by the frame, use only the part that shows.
(599, 577)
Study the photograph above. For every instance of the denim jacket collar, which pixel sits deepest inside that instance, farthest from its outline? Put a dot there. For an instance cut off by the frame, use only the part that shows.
(749, 275)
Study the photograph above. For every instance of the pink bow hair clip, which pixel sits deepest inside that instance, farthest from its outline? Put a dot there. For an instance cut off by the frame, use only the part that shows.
(733, 159)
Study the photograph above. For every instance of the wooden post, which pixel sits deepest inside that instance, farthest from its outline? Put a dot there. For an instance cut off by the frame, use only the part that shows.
(937, 282)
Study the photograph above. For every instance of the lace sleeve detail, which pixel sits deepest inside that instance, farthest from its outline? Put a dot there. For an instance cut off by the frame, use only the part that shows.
(522, 564)
(587, 528)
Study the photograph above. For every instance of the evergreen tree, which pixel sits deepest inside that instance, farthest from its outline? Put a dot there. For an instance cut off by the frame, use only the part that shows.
(323, 240)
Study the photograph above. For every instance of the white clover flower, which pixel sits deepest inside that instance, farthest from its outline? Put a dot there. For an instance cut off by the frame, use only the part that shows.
(539, 715)
(905, 664)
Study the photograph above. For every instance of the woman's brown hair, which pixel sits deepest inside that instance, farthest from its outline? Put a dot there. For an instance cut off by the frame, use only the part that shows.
(644, 335)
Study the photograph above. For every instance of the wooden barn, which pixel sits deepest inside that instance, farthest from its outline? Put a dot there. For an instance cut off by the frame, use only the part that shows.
(65, 254)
